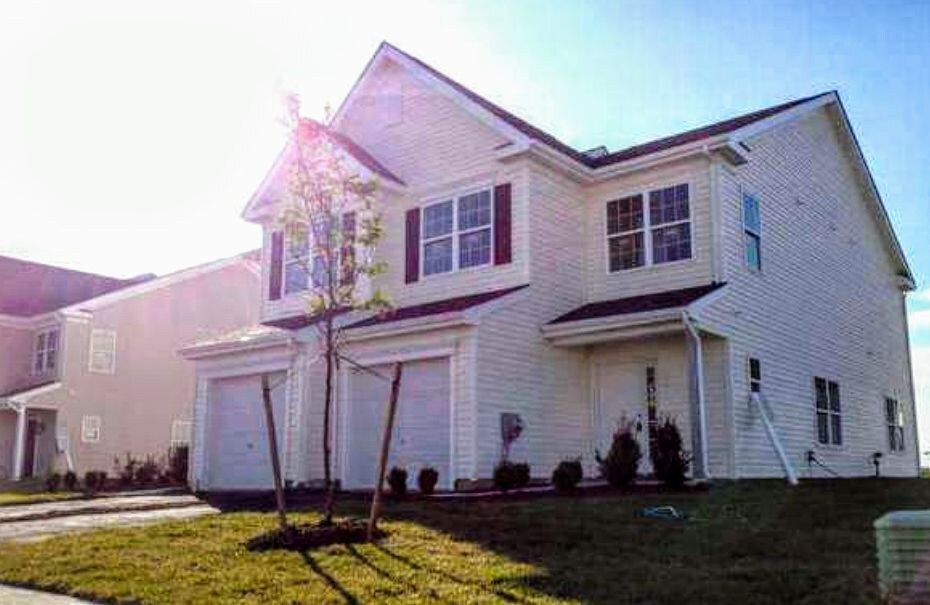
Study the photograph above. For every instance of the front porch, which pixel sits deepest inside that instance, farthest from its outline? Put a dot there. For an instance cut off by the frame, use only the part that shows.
(28, 445)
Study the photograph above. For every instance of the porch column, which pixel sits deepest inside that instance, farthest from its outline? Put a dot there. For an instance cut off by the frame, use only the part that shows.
(20, 443)
(696, 392)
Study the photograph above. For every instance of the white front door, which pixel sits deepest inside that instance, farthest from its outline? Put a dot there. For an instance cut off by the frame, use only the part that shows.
(421, 428)
(621, 398)
(238, 454)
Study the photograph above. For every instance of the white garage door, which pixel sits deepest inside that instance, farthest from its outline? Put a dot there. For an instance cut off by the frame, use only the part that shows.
(421, 430)
(237, 438)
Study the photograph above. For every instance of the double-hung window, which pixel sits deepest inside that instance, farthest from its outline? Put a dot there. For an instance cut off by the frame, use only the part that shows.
(894, 419)
(456, 233)
(829, 420)
(637, 237)
(752, 232)
(45, 359)
(296, 251)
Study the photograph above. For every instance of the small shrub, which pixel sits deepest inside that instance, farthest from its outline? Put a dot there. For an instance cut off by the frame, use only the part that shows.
(620, 465)
(147, 472)
(567, 475)
(427, 480)
(669, 459)
(397, 480)
(509, 475)
(52, 482)
(94, 481)
(127, 471)
(177, 463)
(70, 481)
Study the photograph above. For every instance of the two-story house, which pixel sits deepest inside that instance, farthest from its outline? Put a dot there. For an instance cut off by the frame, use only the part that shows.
(742, 278)
(89, 370)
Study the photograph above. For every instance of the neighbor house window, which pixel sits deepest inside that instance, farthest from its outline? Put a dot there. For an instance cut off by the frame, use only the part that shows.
(456, 233)
(755, 375)
(637, 237)
(894, 419)
(829, 421)
(296, 249)
(102, 351)
(752, 232)
(181, 432)
(45, 359)
(90, 429)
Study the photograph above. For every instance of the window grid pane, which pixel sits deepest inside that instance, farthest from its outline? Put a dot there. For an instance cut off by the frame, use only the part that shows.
(671, 243)
(753, 251)
(668, 205)
(475, 210)
(836, 429)
(437, 256)
(438, 220)
(823, 432)
(625, 214)
(834, 397)
(475, 248)
(626, 252)
(820, 386)
(751, 219)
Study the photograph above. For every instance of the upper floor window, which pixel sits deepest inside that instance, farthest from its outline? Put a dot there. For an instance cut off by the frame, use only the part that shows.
(456, 233)
(45, 359)
(636, 238)
(829, 421)
(752, 232)
(296, 251)
(102, 351)
(300, 270)
(894, 419)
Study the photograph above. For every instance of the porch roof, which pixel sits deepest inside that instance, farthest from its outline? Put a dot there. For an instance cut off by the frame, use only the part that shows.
(24, 394)
(656, 301)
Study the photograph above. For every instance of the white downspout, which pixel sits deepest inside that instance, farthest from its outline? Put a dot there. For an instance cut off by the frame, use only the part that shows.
(20, 444)
(773, 437)
(699, 371)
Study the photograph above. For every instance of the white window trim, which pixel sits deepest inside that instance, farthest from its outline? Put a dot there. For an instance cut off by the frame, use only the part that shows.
(830, 413)
(647, 229)
(86, 423)
(900, 414)
(90, 356)
(455, 234)
(744, 229)
(35, 351)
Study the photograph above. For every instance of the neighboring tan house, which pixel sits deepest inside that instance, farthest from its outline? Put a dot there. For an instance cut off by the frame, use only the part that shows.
(89, 369)
(574, 289)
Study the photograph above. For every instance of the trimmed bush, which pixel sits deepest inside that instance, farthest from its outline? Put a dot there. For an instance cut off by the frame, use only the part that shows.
(127, 471)
(427, 480)
(509, 475)
(147, 472)
(669, 460)
(397, 480)
(70, 481)
(52, 482)
(94, 481)
(620, 465)
(567, 475)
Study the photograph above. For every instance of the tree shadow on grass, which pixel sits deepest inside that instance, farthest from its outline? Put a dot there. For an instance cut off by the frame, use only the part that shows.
(332, 582)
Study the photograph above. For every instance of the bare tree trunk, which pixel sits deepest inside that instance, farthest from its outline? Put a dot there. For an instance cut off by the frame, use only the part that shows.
(327, 415)
(385, 451)
(273, 449)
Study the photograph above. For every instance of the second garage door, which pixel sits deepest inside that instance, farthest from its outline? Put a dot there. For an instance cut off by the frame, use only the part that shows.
(422, 426)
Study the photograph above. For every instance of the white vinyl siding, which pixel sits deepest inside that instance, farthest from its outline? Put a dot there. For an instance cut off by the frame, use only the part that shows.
(102, 351)
(90, 429)
(45, 355)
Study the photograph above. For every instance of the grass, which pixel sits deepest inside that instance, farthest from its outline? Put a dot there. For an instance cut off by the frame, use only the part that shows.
(748, 542)
(9, 498)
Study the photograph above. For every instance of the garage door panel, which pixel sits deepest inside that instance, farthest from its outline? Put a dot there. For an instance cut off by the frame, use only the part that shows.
(238, 450)
(421, 433)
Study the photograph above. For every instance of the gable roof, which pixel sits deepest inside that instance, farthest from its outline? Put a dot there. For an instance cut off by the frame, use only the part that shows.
(657, 301)
(309, 130)
(30, 288)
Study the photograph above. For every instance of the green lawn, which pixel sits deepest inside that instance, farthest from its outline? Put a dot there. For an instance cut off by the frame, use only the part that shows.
(751, 542)
(9, 498)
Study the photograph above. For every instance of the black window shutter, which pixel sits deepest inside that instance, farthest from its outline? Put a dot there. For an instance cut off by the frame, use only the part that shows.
(412, 261)
(503, 225)
(277, 257)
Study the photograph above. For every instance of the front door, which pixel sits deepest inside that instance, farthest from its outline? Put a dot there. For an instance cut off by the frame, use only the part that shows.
(621, 398)
(29, 458)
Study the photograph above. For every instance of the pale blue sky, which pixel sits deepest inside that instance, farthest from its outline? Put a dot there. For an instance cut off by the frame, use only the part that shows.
(134, 132)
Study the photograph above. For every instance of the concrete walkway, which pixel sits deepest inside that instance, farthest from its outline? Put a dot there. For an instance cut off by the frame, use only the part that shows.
(10, 595)
(62, 508)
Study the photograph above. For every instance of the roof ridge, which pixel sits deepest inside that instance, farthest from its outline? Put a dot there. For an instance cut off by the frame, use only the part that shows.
(60, 268)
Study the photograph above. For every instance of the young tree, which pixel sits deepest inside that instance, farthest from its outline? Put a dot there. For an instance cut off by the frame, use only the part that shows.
(331, 229)
(375, 513)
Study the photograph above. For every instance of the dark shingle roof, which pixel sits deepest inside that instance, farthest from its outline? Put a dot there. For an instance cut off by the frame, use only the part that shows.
(669, 299)
(312, 128)
(28, 288)
(616, 156)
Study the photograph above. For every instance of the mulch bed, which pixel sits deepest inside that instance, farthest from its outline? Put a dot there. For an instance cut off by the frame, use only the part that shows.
(307, 536)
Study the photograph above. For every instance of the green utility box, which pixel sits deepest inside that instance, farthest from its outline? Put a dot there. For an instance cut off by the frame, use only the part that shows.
(903, 543)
